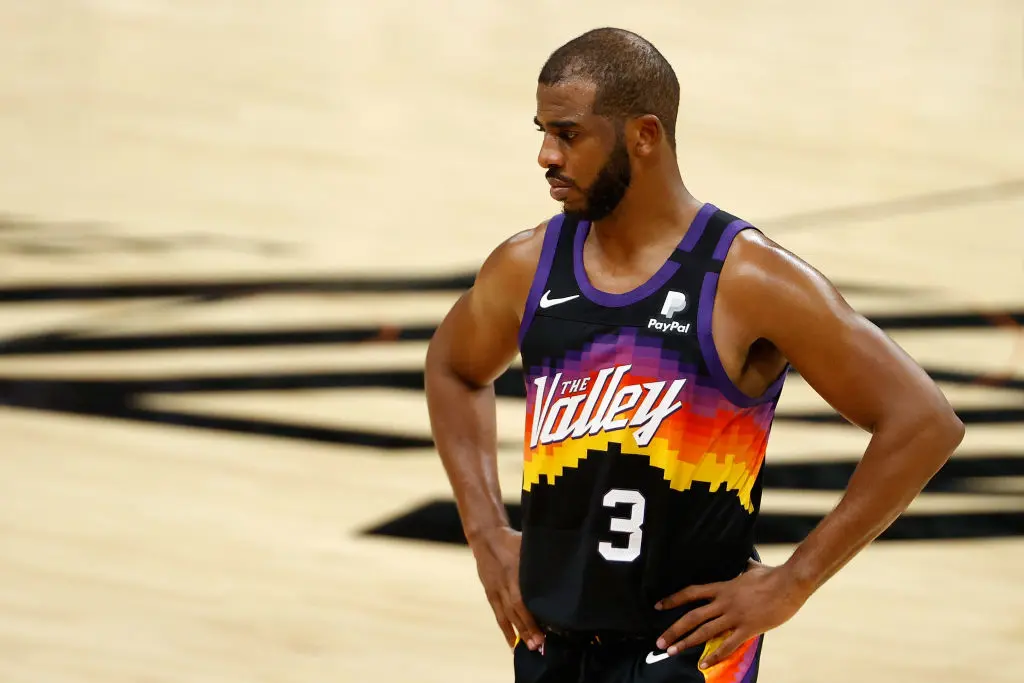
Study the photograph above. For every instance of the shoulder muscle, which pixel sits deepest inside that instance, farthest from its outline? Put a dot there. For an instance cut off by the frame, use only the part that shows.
(846, 359)
(504, 279)
(478, 337)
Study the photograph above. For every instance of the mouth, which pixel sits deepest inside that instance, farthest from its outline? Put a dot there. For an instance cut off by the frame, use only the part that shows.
(559, 189)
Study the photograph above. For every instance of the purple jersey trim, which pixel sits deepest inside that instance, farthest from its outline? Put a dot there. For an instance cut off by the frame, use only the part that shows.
(696, 230)
(540, 277)
(656, 282)
(753, 661)
(707, 342)
(728, 235)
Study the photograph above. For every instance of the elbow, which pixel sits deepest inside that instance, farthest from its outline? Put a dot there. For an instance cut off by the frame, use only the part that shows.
(950, 434)
(948, 427)
(944, 427)
(934, 428)
(943, 432)
(439, 366)
(439, 349)
(434, 353)
(954, 430)
(437, 362)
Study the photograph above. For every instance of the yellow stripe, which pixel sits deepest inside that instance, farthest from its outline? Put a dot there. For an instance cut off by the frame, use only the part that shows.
(549, 462)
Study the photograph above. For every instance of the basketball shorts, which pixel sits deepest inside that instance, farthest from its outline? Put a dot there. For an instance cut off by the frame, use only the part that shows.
(571, 659)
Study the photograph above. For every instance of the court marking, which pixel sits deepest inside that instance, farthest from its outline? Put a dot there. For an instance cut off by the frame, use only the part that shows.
(901, 206)
(437, 520)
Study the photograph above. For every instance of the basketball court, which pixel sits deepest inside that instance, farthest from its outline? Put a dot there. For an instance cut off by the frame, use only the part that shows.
(227, 231)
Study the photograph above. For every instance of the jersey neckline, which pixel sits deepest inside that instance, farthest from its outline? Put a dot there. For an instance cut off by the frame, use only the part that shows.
(654, 283)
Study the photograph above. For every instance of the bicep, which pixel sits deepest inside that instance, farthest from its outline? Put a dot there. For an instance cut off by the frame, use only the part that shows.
(478, 339)
(479, 336)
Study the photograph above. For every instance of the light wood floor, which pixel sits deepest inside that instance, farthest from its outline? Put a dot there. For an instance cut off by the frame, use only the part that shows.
(175, 148)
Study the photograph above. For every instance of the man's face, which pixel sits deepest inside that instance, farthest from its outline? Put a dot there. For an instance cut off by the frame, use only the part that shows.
(585, 155)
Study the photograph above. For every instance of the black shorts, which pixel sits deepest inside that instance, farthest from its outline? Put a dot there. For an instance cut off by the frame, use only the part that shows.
(572, 659)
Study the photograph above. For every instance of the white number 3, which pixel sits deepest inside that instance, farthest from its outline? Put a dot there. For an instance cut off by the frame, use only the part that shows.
(621, 524)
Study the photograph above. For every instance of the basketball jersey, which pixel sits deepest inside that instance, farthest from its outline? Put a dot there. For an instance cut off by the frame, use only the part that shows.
(642, 460)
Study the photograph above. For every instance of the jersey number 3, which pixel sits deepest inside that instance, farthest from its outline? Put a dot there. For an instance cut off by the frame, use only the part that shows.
(630, 525)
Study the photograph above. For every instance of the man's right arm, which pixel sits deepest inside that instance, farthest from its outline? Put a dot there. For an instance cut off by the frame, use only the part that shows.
(474, 344)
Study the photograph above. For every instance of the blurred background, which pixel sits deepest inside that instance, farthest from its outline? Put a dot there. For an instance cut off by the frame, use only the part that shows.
(228, 229)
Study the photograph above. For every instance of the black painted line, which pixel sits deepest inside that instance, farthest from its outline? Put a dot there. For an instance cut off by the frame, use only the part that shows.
(969, 416)
(903, 206)
(67, 341)
(270, 428)
(232, 289)
(65, 345)
(508, 385)
(438, 522)
(953, 477)
(221, 290)
(110, 401)
(993, 319)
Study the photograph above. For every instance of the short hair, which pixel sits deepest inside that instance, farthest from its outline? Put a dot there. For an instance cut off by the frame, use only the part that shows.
(631, 76)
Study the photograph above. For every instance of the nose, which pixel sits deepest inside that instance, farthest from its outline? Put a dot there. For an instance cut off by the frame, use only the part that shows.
(550, 156)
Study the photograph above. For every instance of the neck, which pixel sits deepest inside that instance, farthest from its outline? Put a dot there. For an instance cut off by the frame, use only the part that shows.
(657, 209)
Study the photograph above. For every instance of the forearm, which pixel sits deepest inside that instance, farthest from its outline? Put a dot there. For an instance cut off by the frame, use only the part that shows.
(463, 422)
(897, 464)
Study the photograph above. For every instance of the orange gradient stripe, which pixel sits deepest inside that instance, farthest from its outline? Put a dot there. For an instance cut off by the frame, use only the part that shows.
(733, 669)
(725, 452)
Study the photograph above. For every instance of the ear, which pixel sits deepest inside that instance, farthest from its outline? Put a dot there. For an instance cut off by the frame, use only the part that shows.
(647, 134)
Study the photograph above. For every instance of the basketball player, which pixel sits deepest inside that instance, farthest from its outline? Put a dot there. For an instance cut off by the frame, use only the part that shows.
(655, 332)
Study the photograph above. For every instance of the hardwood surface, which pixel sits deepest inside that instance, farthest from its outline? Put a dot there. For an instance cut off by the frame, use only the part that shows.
(245, 218)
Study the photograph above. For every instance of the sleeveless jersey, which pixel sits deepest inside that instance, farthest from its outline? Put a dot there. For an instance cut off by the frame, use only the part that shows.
(642, 460)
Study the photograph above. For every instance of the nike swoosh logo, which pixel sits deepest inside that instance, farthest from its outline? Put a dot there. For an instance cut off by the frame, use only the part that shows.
(546, 302)
(652, 658)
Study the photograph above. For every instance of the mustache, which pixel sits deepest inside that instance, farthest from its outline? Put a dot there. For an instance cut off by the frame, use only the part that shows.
(555, 175)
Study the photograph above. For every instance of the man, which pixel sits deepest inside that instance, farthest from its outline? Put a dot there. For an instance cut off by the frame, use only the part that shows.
(655, 332)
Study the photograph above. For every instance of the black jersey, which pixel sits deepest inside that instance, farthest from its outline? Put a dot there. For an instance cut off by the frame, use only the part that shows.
(642, 460)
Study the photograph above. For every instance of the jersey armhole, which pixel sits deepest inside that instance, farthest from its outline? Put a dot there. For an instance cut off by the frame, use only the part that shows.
(708, 290)
(540, 276)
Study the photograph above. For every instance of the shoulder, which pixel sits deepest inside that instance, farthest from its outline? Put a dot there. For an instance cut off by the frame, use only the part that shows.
(754, 256)
(518, 254)
(508, 271)
(758, 265)
(773, 289)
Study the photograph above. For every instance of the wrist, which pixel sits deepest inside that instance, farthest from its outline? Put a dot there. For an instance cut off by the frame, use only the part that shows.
(485, 534)
(800, 576)
(481, 512)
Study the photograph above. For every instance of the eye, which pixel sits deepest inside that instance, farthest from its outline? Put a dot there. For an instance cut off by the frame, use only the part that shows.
(568, 135)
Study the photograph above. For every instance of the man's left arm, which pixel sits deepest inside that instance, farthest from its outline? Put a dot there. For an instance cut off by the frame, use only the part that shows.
(865, 377)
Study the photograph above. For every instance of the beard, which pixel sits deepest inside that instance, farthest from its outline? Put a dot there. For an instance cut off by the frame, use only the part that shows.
(608, 188)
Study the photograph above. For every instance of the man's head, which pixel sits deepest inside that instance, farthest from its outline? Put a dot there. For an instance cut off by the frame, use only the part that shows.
(604, 99)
